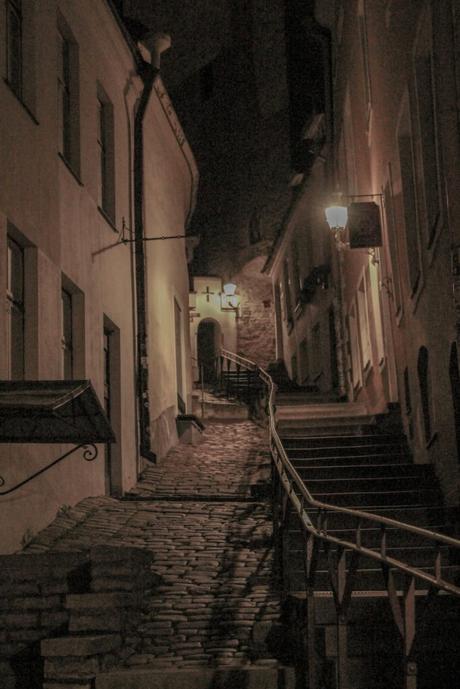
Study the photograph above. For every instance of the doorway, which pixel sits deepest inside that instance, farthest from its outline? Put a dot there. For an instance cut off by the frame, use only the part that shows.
(454, 376)
(208, 347)
(112, 408)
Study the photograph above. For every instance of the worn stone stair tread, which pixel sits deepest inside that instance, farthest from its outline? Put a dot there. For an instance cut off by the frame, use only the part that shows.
(81, 645)
(223, 677)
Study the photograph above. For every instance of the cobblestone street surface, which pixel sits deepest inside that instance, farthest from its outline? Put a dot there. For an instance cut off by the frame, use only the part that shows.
(211, 546)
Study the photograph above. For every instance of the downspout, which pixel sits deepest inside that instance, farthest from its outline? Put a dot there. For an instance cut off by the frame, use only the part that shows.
(148, 72)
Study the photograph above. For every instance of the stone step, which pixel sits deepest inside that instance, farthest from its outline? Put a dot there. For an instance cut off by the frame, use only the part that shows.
(324, 426)
(332, 410)
(80, 646)
(370, 500)
(419, 515)
(362, 484)
(346, 451)
(372, 437)
(220, 410)
(344, 460)
(353, 471)
(271, 676)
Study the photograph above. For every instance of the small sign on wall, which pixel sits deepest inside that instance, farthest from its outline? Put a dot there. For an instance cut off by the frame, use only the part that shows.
(364, 228)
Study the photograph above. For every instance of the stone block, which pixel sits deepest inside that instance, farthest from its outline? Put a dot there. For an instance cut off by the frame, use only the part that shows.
(33, 603)
(17, 588)
(54, 587)
(80, 645)
(71, 667)
(107, 622)
(19, 620)
(99, 601)
(53, 620)
(69, 685)
(100, 584)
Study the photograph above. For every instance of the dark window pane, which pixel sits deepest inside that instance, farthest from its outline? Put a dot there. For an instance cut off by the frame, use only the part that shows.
(410, 212)
(14, 39)
(17, 343)
(428, 142)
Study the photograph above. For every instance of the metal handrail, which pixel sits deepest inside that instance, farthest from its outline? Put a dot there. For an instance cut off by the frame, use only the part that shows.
(290, 479)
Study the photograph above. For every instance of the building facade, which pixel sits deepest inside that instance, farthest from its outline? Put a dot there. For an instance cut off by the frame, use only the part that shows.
(71, 135)
(393, 151)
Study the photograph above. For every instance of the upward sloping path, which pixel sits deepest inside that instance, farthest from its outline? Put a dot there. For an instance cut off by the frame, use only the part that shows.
(212, 550)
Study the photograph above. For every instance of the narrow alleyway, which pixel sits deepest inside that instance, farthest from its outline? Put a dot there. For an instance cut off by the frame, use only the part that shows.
(199, 513)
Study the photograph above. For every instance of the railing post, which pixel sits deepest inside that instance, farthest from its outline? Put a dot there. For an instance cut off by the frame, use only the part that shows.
(342, 652)
(410, 666)
(311, 560)
(238, 368)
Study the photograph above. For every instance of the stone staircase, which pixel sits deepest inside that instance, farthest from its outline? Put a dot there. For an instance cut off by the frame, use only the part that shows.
(213, 407)
(178, 588)
(347, 458)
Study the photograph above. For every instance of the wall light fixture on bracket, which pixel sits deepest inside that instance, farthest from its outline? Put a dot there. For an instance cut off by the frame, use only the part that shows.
(361, 218)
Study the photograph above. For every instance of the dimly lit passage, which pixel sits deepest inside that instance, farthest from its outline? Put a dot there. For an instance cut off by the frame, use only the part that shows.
(229, 368)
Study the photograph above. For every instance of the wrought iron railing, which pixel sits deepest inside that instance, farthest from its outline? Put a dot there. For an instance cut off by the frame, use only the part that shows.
(290, 488)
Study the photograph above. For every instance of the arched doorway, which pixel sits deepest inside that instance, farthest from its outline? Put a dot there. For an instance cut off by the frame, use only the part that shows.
(454, 375)
(208, 346)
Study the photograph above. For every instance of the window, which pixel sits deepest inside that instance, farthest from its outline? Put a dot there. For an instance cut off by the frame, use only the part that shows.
(15, 310)
(428, 177)
(68, 98)
(14, 56)
(365, 58)
(303, 361)
(393, 247)
(296, 271)
(364, 331)
(354, 348)
(406, 163)
(287, 292)
(375, 311)
(316, 363)
(105, 142)
(67, 335)
(425, 392)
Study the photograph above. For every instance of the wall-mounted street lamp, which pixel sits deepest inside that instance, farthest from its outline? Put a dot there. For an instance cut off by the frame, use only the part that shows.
(361, 219)
(229, 298)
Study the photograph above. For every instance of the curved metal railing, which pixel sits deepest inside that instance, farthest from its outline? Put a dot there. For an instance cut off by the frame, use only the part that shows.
(302, 499)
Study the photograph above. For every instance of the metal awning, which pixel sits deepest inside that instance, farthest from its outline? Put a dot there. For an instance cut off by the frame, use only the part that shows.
(52, 411)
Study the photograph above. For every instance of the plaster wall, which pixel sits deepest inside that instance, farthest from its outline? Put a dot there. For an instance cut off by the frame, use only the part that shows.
(426, 318)
(52, 211)
(170, 181)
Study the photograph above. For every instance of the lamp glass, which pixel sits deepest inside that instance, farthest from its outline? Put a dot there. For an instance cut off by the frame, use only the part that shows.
(229, 289)
(337, 217)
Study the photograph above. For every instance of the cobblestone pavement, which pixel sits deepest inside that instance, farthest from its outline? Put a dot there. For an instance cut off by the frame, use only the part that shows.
(231, 458)
(211, 545)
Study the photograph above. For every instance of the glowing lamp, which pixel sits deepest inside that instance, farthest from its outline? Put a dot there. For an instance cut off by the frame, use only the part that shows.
(229, 289)
(337, 217)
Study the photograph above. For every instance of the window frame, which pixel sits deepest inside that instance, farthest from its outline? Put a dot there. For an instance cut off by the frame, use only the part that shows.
(67, 342)
(14, 8)
(428, 176)
(105, 139)
(68, 97)
(15, 305)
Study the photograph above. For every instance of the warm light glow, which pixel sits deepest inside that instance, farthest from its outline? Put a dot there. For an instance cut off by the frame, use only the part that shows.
(337, 217)
(233, 300)
(229, 289)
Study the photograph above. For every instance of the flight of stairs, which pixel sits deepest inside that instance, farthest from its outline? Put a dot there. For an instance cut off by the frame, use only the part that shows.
(348, 459)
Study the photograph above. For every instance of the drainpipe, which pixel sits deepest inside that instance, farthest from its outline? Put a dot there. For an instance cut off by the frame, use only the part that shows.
(148, 71)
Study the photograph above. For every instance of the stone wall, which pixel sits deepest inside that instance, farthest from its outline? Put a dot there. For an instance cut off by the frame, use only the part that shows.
(256, 331)
(64, 616)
